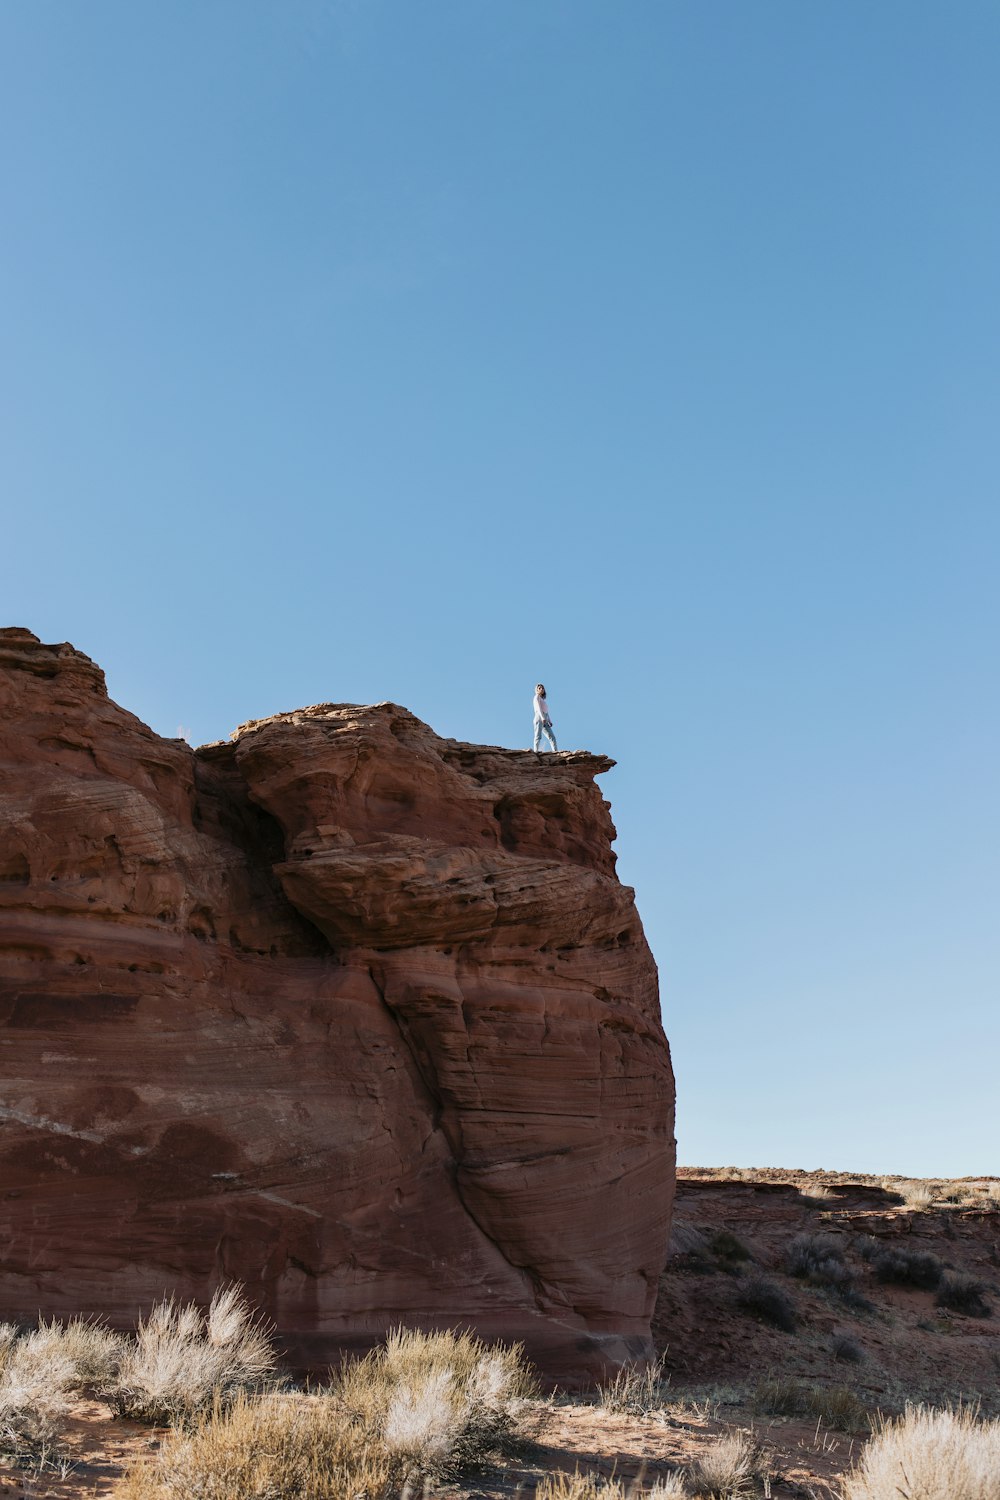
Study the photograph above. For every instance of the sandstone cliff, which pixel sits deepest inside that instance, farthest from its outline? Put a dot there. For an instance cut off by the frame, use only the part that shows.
(351, 1013)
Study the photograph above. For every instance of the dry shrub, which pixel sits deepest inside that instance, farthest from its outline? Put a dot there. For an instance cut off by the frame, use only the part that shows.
(847, 1349)
(815, 1193)
(636, 1390)
(437, 1402)
(836, 1405)
(819, 1259)
(262, 1448)
(726, 1246)
(181, 1360)
(579, 1486)
(669, 1487)
(36, 1373)
(958, 1192)
(422, 1406)
(590, 1486)
(962, 1293)
(919, 1268)
(918, 1195)
(727, 1466)
(764, 1299)
(929, 1455)
(92, 1349)
(982, 1195)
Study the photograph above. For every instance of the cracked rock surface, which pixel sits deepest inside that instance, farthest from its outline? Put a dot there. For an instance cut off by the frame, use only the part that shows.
(356, 1015)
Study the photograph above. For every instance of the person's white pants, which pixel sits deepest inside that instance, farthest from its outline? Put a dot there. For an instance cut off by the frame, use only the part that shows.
(544, 726)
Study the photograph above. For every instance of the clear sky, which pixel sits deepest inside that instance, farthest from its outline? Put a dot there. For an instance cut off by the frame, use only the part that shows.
(365, 350)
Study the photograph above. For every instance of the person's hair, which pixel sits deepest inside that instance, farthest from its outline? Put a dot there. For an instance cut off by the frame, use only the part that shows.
(540, 688)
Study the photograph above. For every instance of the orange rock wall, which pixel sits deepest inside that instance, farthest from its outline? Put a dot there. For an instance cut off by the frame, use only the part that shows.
(354, 1014)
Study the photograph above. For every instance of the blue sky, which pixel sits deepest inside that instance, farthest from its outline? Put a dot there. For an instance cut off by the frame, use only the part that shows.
(373, 350)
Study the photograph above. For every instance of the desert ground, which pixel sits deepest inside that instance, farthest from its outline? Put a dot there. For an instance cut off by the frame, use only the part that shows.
(797, 1308)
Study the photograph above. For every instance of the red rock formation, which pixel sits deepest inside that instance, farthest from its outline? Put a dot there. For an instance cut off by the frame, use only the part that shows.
(354, 1014)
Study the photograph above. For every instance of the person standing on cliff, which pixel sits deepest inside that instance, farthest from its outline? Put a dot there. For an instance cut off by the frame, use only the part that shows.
(543, 723)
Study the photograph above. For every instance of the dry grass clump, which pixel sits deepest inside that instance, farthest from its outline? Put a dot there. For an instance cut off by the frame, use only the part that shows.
(438, 1402)
(34, 1379)
(983, 1194)
(668, 1487)
(958, 1193)
(766, 1300)
(577, 1486)
(836, 1405)
(815, 1193)
(37, 1371)
(181, 1360)
(178, 1363)
(962, 1293)
(917, 1195)
(93, 1350)
(636, 1390)
(422, 1406)
(263, 1448)
(590, 1486)
(727, 1466)
(929, 1455)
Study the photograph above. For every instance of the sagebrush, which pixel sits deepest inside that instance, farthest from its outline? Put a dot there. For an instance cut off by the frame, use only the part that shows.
(919, 1268)
(421, 1407)
(440, 1401)
(962, 1293)
(929, 1455)
(38, 1371)
(819, 1260)
(765, 1299)
(181, 1360)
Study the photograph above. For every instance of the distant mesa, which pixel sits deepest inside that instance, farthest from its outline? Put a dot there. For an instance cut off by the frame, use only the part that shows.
(355, 1015)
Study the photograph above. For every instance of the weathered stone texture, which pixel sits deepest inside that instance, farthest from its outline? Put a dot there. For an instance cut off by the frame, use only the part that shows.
(357, 1015)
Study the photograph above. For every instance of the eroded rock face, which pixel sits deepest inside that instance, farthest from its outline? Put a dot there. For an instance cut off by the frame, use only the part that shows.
(356, 1015)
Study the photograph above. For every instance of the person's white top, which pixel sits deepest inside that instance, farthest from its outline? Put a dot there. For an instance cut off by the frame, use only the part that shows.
(541, 707)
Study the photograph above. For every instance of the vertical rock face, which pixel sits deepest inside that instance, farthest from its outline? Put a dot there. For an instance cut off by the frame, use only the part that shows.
(357, 1015)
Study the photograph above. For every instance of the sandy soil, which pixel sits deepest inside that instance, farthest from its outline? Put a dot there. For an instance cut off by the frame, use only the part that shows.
(803, 1458)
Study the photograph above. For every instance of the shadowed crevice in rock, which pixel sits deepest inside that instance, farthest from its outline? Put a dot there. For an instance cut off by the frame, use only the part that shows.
(354, 1014)
(436, 1116)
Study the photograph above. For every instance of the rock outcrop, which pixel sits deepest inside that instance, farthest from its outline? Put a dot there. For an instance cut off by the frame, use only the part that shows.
(356, 1015)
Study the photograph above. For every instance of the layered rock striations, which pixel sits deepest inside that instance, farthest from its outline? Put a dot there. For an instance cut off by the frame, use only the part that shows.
(356, 1015)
